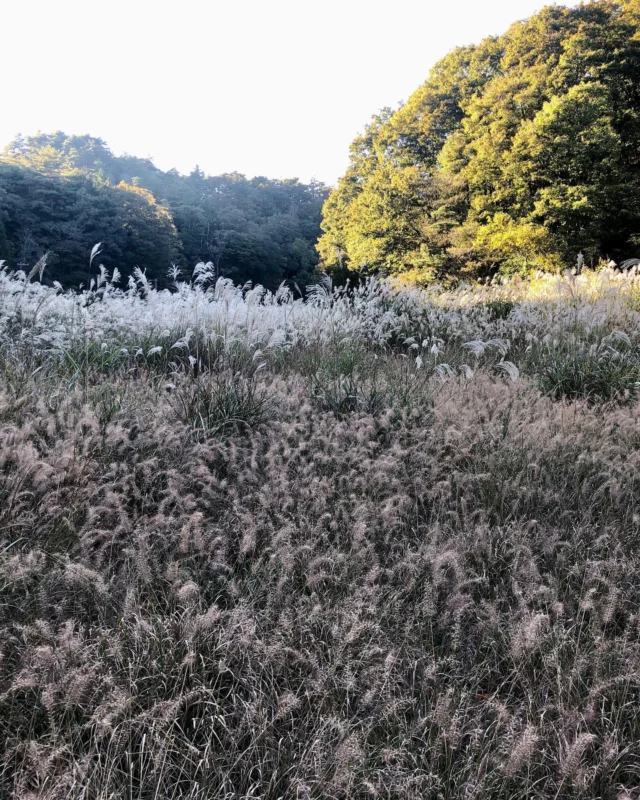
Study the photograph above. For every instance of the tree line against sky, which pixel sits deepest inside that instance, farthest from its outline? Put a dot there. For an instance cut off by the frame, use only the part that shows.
(516, 154)
(62, 194)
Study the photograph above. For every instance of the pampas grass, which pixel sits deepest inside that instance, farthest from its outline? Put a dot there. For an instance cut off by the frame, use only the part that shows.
(349, 546)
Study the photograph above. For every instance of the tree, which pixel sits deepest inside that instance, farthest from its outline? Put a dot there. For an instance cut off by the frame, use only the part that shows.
(66, 216)
(71, 191)
(515, 153)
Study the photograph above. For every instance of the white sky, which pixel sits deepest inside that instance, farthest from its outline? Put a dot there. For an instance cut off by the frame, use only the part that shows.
(265, 87)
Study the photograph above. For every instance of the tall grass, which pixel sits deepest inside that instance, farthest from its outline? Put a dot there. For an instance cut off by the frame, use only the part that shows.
(380, 543)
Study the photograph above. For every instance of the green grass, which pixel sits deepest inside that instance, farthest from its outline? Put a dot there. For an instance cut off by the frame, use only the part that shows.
(595, 372)
(213, 403)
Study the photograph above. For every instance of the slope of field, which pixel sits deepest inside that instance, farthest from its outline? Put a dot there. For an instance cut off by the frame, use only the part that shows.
(371, 544)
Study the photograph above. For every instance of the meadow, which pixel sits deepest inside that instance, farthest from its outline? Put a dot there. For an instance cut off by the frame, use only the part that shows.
(376, 542)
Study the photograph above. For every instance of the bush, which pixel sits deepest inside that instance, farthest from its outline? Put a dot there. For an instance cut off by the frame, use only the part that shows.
(405, 583)
(499, 309)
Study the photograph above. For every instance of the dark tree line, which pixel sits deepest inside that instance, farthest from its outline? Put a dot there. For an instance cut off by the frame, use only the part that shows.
(62, 194)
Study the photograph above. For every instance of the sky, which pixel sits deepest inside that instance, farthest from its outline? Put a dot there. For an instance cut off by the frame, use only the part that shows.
(263, 87)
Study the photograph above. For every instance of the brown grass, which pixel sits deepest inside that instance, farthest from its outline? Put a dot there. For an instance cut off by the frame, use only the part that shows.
(433, 605)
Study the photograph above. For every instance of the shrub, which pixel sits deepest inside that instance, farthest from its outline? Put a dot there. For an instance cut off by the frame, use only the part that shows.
(499, 309)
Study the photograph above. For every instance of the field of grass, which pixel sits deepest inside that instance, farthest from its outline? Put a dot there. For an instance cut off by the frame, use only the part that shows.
(370, 544)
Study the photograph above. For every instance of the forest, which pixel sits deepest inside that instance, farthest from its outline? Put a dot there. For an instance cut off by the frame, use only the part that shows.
(515, 154)
(62, 194)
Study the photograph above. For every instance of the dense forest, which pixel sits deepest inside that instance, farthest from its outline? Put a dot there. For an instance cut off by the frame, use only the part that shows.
(62, 194)
(515, 154)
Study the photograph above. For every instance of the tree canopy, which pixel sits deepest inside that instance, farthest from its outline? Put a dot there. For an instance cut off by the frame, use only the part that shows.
(516, 153)
(62, 194)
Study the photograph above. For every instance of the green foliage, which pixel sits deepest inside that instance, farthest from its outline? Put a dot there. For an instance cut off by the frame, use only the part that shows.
(347, 380)
(66, 215)
(517, 246)
(63, 194)
(500, 309)
(346, 393)
(221, 402)
(597, 373)
(515, 154)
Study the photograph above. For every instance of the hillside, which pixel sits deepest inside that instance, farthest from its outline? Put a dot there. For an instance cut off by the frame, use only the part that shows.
(63, 194)
(517, 153)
